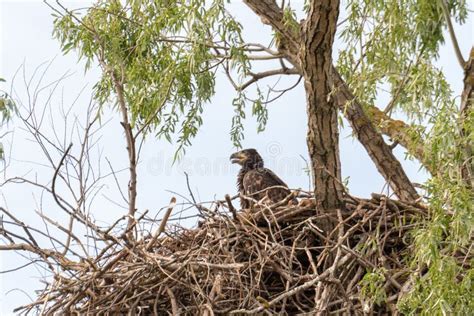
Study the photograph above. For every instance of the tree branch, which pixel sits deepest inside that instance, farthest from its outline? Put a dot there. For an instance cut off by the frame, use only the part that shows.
(289, 41)
(132, 185)
(272, 15)
(257, 76)
(467, 99)
(56, 172)
(452, 34)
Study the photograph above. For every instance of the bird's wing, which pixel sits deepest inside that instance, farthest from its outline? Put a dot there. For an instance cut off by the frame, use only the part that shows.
(256, 181)
(272, 177)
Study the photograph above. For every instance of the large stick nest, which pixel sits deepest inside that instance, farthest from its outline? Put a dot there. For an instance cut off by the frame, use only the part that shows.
(280, 259)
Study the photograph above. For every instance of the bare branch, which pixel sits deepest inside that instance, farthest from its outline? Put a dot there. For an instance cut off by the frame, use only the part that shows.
(132, 185)
(162, 227)
(56, 172)
(257, 76)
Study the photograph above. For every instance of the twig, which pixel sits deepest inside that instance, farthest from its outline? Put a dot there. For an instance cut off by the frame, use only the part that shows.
(452, 34)
(231, 207)
(257, 76)
(162, 227)
(56, 172)
(174, 305)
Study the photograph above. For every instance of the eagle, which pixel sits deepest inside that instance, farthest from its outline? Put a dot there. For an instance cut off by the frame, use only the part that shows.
(253, 180)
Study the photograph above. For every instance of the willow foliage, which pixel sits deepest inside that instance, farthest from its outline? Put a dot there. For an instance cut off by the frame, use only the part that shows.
(7, 110)
(163, 51)
(394, 45)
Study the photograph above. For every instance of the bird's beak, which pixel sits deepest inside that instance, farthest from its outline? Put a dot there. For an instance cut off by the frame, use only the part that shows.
(237, 157)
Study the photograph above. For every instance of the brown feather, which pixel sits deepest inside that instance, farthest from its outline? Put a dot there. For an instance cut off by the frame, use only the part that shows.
(258, 183)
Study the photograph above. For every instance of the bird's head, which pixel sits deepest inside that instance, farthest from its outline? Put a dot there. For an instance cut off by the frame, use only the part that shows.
(247, 158)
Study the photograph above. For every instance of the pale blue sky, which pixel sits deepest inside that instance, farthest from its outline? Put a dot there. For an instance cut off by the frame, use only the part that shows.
(26, 38)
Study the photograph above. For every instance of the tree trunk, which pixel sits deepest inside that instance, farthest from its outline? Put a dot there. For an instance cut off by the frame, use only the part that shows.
(467, 98)
(323, 135)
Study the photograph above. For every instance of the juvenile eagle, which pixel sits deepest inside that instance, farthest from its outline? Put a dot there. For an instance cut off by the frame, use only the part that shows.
(253, 179)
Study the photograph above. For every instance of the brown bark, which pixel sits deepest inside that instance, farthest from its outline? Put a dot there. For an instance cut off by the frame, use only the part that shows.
(467, 99)
(323, 136)
(378, 150)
